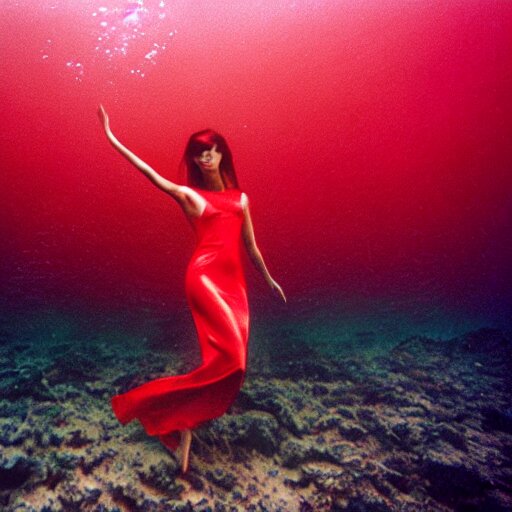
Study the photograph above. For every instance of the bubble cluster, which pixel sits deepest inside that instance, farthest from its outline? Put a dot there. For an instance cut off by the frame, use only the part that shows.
(47, 49)
(76, 68)
(127, 33)
(140, 27)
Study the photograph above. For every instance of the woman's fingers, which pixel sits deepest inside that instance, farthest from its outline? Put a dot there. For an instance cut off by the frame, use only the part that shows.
(102, 112)
(103, 116)
(279, 290)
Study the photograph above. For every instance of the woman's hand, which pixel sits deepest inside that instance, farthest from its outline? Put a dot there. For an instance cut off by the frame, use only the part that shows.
(277, 288)
(104, 119)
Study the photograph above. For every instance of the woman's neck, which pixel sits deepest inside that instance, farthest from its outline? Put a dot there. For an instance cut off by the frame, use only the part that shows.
(213, 183)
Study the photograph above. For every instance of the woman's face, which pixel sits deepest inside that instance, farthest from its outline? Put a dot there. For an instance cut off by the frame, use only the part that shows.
(209, 160)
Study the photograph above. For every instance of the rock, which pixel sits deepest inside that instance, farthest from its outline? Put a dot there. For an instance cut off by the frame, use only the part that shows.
(12, 433)
(372, 393)
(327, 481)
(253, 430)
(397, 472)
(453, 436)
(377, 428)
(72, 366)
(486, 341)
(78, 439)
(92, 461)
(97, 389)
(63, 461)
(346, 413)
(495, 419)
(307, 369)
(417, 346)
(162, 476)
(295, 483)
(24, 381)
(15, 471)
(51, 476)
(222, 478)
(305, 505)
(76, 499)
(132, 498)
(18, 409)
(342, 394)
(403, 435)
(416, 412)
(367, 503)
(295, 452)
(194, 480)
(181, 506)
(338, 453)
(45, 438)
(47, 410)
(263, 395)
(219, 507)
(319, 390)
(327, 422)
(453, 482)
(351, 432)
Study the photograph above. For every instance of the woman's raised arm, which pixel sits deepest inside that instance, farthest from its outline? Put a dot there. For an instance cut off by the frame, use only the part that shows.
(171, 188)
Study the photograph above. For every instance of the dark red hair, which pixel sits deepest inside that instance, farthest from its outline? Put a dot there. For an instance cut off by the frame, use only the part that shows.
(203, 141)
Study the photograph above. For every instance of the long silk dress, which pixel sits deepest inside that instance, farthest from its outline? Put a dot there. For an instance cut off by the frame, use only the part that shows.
(217, 296)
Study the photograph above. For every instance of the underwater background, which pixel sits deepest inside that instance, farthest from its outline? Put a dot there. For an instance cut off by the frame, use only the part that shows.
(372, 139)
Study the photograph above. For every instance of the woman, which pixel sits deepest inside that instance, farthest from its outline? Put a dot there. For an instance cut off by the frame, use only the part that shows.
(216, 293)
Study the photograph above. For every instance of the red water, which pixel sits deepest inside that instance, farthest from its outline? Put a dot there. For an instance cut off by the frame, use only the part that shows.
(373, 140)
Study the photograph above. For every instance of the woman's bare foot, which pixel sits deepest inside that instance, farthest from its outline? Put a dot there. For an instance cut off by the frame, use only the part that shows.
(186, 439)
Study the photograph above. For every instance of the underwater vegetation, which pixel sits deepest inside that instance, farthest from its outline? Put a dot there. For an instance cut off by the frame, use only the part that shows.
(425, 426)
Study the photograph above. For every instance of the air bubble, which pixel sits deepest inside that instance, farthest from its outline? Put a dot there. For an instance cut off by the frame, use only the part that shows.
(133, 28)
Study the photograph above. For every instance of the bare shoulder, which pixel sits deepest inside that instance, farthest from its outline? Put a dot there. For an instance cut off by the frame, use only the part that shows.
(190, 194)
(244, 200)
(191, 202)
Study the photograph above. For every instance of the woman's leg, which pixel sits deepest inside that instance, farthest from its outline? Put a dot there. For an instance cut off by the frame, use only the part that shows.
(186, 440)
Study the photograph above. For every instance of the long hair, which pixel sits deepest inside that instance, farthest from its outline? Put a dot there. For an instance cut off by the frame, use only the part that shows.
(203, 141)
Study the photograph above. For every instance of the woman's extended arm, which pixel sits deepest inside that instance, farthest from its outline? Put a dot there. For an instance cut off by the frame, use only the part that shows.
(167, 186)
(253, 251)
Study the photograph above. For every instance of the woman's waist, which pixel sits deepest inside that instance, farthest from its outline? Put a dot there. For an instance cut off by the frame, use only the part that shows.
(206, 255)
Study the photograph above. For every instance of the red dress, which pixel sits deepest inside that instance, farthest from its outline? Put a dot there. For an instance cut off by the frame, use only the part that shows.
(216, 293)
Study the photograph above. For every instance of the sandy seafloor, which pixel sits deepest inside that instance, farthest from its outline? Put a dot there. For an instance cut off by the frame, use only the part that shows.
(422, 424)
